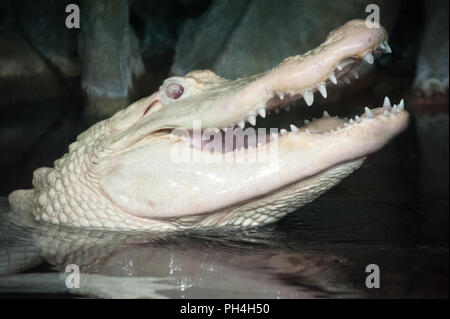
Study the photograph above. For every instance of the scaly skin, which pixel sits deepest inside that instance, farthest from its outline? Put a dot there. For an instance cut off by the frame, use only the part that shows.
(122, 174)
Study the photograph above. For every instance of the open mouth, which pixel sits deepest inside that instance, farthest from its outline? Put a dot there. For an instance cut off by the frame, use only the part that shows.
(245, 134)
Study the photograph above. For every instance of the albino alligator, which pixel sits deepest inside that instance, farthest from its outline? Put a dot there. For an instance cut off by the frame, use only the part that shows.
(120, 173)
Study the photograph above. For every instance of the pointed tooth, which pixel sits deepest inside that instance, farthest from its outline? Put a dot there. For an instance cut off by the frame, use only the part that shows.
(326, 114)
(216, 130)
(283, 131)
(355, 74)
(294, 128)
(351, 121)
(241, 124)
(306, 122)
(386, 101)
(395, 109)
(345, 124)
(262, 112)
(357, 119)
(308, 96)
(251, 119)
(277, 110)
(385, 113)
(332, 78)
(368, 58)
(280, 95)
(387, 47)
(382, 46)
(401, 105)
(323, 89)
(347, 80)
(339, 67)
(369, 113)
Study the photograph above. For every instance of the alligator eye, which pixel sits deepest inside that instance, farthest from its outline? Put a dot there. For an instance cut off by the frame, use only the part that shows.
(174, 91)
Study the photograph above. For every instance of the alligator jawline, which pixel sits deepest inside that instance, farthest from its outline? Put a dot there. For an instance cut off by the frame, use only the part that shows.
(347, 68)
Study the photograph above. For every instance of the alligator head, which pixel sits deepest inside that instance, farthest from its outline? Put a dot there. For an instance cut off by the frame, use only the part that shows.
(127, 172)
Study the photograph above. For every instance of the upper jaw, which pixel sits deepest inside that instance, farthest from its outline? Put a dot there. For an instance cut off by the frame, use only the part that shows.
(233, 103)
(300, 77)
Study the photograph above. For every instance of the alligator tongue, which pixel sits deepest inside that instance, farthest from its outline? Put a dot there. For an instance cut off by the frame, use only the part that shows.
(230, 140)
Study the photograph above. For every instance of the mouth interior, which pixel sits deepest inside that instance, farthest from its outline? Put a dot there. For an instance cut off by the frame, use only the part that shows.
(246, 135)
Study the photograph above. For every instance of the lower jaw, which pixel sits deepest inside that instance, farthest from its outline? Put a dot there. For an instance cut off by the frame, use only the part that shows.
(236, 138)
(270, 207)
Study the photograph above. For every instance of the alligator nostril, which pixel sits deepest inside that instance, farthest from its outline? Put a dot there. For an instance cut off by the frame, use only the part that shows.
(174, 91)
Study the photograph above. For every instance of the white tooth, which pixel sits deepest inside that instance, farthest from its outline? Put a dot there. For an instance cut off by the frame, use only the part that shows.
(369, 113)
(383, 46)
(287, 108)
(276, 110)
(283, 131)
(339, 67)
(251, 119)
(306, 122)
(216, 130)
(326, 114)
(347, 80)
(386, 101)
(385, 113)
(308, 96)
(294, 128)
(401, 105)
(345, 124)
(355, 74)
(323, 89)
(395, 109)
(241, 124)
(307, 131)
(332, 78)
(280, 95)
(368, 58)
(274, 136)
(387, 47)
(262, 112)
(351, 121)
(357, 119)
(225, 129)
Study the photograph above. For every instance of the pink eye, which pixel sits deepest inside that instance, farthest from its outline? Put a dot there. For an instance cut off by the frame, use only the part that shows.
(174, 91)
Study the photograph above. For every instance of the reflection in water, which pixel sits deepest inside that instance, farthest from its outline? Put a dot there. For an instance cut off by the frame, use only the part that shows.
(278, 261)
(378, 215)
(130, 265)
